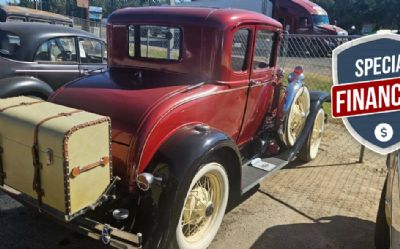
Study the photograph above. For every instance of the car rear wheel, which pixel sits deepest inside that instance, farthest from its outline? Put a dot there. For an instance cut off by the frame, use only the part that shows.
(310, 149)
(204, 207)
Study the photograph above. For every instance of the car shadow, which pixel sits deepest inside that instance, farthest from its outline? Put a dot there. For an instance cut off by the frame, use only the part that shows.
(333, 232)
(300, 164)
(326, 233)
(25, 227)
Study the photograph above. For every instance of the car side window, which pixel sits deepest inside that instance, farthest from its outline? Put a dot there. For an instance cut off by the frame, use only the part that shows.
(263, 49)
(61, 49)
(240, 48)
(16, 19)
(92, 51)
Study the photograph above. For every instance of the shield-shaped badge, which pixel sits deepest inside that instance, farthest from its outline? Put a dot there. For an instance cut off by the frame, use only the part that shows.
(366, 90)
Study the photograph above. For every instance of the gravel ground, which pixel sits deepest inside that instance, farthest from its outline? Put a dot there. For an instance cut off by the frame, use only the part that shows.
(328, 203)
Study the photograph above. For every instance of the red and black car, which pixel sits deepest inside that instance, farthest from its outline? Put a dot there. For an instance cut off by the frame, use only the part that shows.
(199, 117)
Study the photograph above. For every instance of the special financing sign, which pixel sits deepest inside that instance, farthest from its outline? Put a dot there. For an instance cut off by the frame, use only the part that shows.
(366, 90)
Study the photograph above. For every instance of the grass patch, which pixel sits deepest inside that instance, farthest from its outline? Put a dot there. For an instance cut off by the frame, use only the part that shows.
(316, 82)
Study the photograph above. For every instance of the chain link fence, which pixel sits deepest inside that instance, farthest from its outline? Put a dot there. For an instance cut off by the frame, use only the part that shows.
(97, 28)
(314, 53)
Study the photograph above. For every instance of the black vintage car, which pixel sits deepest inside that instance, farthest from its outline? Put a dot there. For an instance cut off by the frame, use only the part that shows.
(20, 14)
(36, 59)
(387, 230)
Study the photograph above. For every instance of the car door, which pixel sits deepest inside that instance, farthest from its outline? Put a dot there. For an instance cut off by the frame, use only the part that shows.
(56, 61)
(240, 70)
(92, 56)
(262, 81)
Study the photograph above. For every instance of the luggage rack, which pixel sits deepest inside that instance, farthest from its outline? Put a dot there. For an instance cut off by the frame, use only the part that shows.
(85, 226)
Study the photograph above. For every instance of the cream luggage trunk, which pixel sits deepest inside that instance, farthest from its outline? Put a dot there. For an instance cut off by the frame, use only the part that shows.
(72, 169)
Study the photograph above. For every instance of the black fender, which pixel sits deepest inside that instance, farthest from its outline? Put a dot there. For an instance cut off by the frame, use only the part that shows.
(184, 152)
(24, 85)
(317, 98)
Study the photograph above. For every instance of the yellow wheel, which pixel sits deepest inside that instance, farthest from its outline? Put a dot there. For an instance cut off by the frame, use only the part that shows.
(297, 116)
(204, 207)
(309, 151)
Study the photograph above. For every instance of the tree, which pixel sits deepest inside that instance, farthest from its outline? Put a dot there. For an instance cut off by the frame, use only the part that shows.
(383, 13)
(27, 3)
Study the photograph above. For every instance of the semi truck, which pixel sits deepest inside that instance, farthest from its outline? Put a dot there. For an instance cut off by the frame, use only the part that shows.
(296, 16)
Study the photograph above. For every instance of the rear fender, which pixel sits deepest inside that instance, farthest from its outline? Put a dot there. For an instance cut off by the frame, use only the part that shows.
(192, 145)
(183, 153)
(24, 85)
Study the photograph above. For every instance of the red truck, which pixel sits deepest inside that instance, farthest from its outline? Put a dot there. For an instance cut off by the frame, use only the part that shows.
(199, 117)
(296, 16)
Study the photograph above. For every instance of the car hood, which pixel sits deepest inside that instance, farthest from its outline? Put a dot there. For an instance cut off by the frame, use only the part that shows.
(332, 29)
(119, 95)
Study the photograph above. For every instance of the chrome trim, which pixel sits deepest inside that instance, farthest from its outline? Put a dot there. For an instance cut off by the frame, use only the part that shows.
(46, 71)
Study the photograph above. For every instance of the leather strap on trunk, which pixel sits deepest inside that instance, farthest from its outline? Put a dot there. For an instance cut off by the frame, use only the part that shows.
(2, 173)
(37, 184)
(20, 104)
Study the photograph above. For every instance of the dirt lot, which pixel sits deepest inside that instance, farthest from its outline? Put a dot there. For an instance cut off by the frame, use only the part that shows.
(328, 203)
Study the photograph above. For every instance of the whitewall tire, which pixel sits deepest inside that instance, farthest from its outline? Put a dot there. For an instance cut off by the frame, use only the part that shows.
(204, 207)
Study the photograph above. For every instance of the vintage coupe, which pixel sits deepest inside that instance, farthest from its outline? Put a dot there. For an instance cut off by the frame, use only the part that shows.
(199, 117)
(36, 58)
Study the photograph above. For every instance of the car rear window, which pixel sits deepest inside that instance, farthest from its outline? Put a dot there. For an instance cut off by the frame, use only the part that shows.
(154, 42)
(9, 44)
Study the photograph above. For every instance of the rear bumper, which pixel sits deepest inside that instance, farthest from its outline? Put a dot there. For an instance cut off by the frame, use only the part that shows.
(85, 226)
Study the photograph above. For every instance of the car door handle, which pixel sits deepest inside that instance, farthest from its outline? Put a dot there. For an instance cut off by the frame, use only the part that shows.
(255, 83)
(85, 72)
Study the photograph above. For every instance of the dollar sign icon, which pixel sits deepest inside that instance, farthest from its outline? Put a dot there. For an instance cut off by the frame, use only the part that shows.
(383, 132)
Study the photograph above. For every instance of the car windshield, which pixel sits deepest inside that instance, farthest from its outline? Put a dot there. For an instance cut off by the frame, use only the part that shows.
(320, 19)
(9, 44)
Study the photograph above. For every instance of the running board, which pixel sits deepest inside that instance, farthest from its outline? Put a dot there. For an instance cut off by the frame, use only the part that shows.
(258, 170)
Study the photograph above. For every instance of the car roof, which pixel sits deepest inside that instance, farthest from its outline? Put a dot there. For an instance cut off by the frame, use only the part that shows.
(41, 29)
(10, 9)
(222, 17)
(32, 35)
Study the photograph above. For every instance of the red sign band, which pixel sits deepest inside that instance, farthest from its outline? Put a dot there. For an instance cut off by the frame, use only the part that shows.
(366, 98)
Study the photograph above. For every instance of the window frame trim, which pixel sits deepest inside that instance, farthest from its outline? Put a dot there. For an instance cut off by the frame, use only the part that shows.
(57, 62)
(137, 48)
(271, 63)
(104, 49)
(247, 59)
